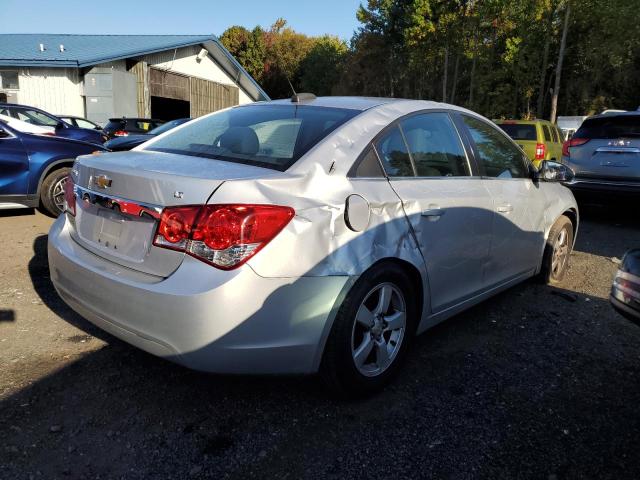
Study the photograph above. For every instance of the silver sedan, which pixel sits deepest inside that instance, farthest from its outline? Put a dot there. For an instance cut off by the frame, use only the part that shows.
(311, 235)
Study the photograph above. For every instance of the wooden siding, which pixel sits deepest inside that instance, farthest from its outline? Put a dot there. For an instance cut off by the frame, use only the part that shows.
(168, 85)
(56, 90)
(207, 96)
(141, 71)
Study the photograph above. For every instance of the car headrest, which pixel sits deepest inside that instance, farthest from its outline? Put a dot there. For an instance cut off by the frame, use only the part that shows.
(242, 140)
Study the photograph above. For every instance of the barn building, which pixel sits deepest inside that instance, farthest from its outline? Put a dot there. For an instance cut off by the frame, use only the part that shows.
(105, 76)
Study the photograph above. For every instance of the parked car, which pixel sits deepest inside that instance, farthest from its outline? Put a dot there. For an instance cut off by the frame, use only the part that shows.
(625, 291)
(79, 122)
(307, 235)
(540, 139)
(34, 168)
(119, 144)
(121, 127)
(55, 125)
(605, 154)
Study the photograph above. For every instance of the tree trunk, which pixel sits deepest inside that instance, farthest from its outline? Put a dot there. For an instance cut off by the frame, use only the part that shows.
(473, 67)
(556, 88)
(444, 76)
(455, 80)
(543, 70)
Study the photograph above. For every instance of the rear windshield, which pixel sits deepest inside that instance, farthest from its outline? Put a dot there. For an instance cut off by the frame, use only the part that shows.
(519, 132)
(610, 127)
(271, 136)
(114, 124)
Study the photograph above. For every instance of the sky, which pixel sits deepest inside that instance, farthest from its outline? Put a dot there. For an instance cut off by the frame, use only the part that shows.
(335, 17)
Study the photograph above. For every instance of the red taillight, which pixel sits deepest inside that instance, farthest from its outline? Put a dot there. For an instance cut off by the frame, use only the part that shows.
(541, 151)
(69, 196)
(225, 236)
(120, 133)
(574, 142)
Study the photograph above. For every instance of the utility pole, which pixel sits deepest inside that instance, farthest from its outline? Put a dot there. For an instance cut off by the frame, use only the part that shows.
(556, 88)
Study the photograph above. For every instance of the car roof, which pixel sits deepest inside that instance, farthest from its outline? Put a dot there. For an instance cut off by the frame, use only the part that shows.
(631, 113)
(509, 121)
(4, 104)
(350, 103)
(120, 119)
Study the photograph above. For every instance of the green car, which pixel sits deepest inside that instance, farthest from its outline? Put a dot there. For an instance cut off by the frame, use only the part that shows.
(540, 139)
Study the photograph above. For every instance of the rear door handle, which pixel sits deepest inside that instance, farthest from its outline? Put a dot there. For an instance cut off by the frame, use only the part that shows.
(505, 208)
(433, 213)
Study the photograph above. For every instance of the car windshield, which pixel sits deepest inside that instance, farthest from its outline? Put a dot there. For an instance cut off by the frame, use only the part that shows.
(610, 127)
(165, 127)
(519, 131)
(271, 136)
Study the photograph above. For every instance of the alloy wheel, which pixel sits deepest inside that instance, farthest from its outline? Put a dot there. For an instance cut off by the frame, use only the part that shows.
(560, 253)
(379, 329)
(57, 193)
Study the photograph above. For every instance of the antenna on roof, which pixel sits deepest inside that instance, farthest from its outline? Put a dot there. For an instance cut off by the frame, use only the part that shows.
(290, 84)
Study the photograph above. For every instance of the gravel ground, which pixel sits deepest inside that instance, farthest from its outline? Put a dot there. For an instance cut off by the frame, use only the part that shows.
(537, 382)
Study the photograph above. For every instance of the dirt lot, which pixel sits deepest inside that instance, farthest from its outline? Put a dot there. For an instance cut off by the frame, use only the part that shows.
(538, 382)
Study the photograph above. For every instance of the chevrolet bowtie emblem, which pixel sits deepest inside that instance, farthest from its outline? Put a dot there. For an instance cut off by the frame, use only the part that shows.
(102, 181)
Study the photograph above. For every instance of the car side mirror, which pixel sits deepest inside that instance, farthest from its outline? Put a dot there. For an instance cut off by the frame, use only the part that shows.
(550, 171)
(59, 126)
(4, 133)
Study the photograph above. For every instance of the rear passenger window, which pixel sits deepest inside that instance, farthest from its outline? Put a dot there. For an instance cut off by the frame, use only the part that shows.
(394, 155)
(435, 146)
(554, 134)
(547, 134)
(498, 156)
(369, 166)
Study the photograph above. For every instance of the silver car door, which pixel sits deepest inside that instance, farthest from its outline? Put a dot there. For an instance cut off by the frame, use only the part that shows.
(449, 209)
(519, 203)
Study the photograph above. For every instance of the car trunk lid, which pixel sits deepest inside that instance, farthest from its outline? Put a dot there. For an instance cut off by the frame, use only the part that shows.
(120, 197)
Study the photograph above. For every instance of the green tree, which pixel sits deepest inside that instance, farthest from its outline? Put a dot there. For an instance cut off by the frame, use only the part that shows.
(322, 67)
(248, 47)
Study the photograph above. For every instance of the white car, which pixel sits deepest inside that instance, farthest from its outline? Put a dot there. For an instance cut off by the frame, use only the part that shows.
(26, 127)
(302, 236)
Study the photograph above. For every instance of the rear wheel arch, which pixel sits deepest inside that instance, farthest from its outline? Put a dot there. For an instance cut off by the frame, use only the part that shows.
(337, 366)
(416, 279)
(55, 165)
(572, 214)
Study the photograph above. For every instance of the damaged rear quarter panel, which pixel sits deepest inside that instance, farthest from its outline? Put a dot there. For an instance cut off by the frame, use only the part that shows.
(318, 242)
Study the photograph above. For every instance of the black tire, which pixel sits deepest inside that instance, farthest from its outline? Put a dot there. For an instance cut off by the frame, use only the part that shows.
(49, 191)
(338, 367)
(555, 261)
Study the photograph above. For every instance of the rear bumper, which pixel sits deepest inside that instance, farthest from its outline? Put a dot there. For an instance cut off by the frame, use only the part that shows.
(201, 317)
(604, 185)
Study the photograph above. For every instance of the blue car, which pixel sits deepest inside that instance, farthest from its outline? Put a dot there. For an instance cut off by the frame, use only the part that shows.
(34, 168)
(35, 116)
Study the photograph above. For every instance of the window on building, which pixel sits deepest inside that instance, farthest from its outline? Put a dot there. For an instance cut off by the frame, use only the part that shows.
(9, 79)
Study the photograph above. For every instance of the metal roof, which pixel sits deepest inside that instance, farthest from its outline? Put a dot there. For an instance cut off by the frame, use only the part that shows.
(23, 50)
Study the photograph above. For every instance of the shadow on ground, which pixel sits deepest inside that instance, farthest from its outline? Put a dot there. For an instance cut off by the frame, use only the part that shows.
(533, 383)
(537, 382)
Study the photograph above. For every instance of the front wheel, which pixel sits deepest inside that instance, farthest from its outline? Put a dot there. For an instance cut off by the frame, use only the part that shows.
(555, 261)
(371, 332)
(52, 191)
